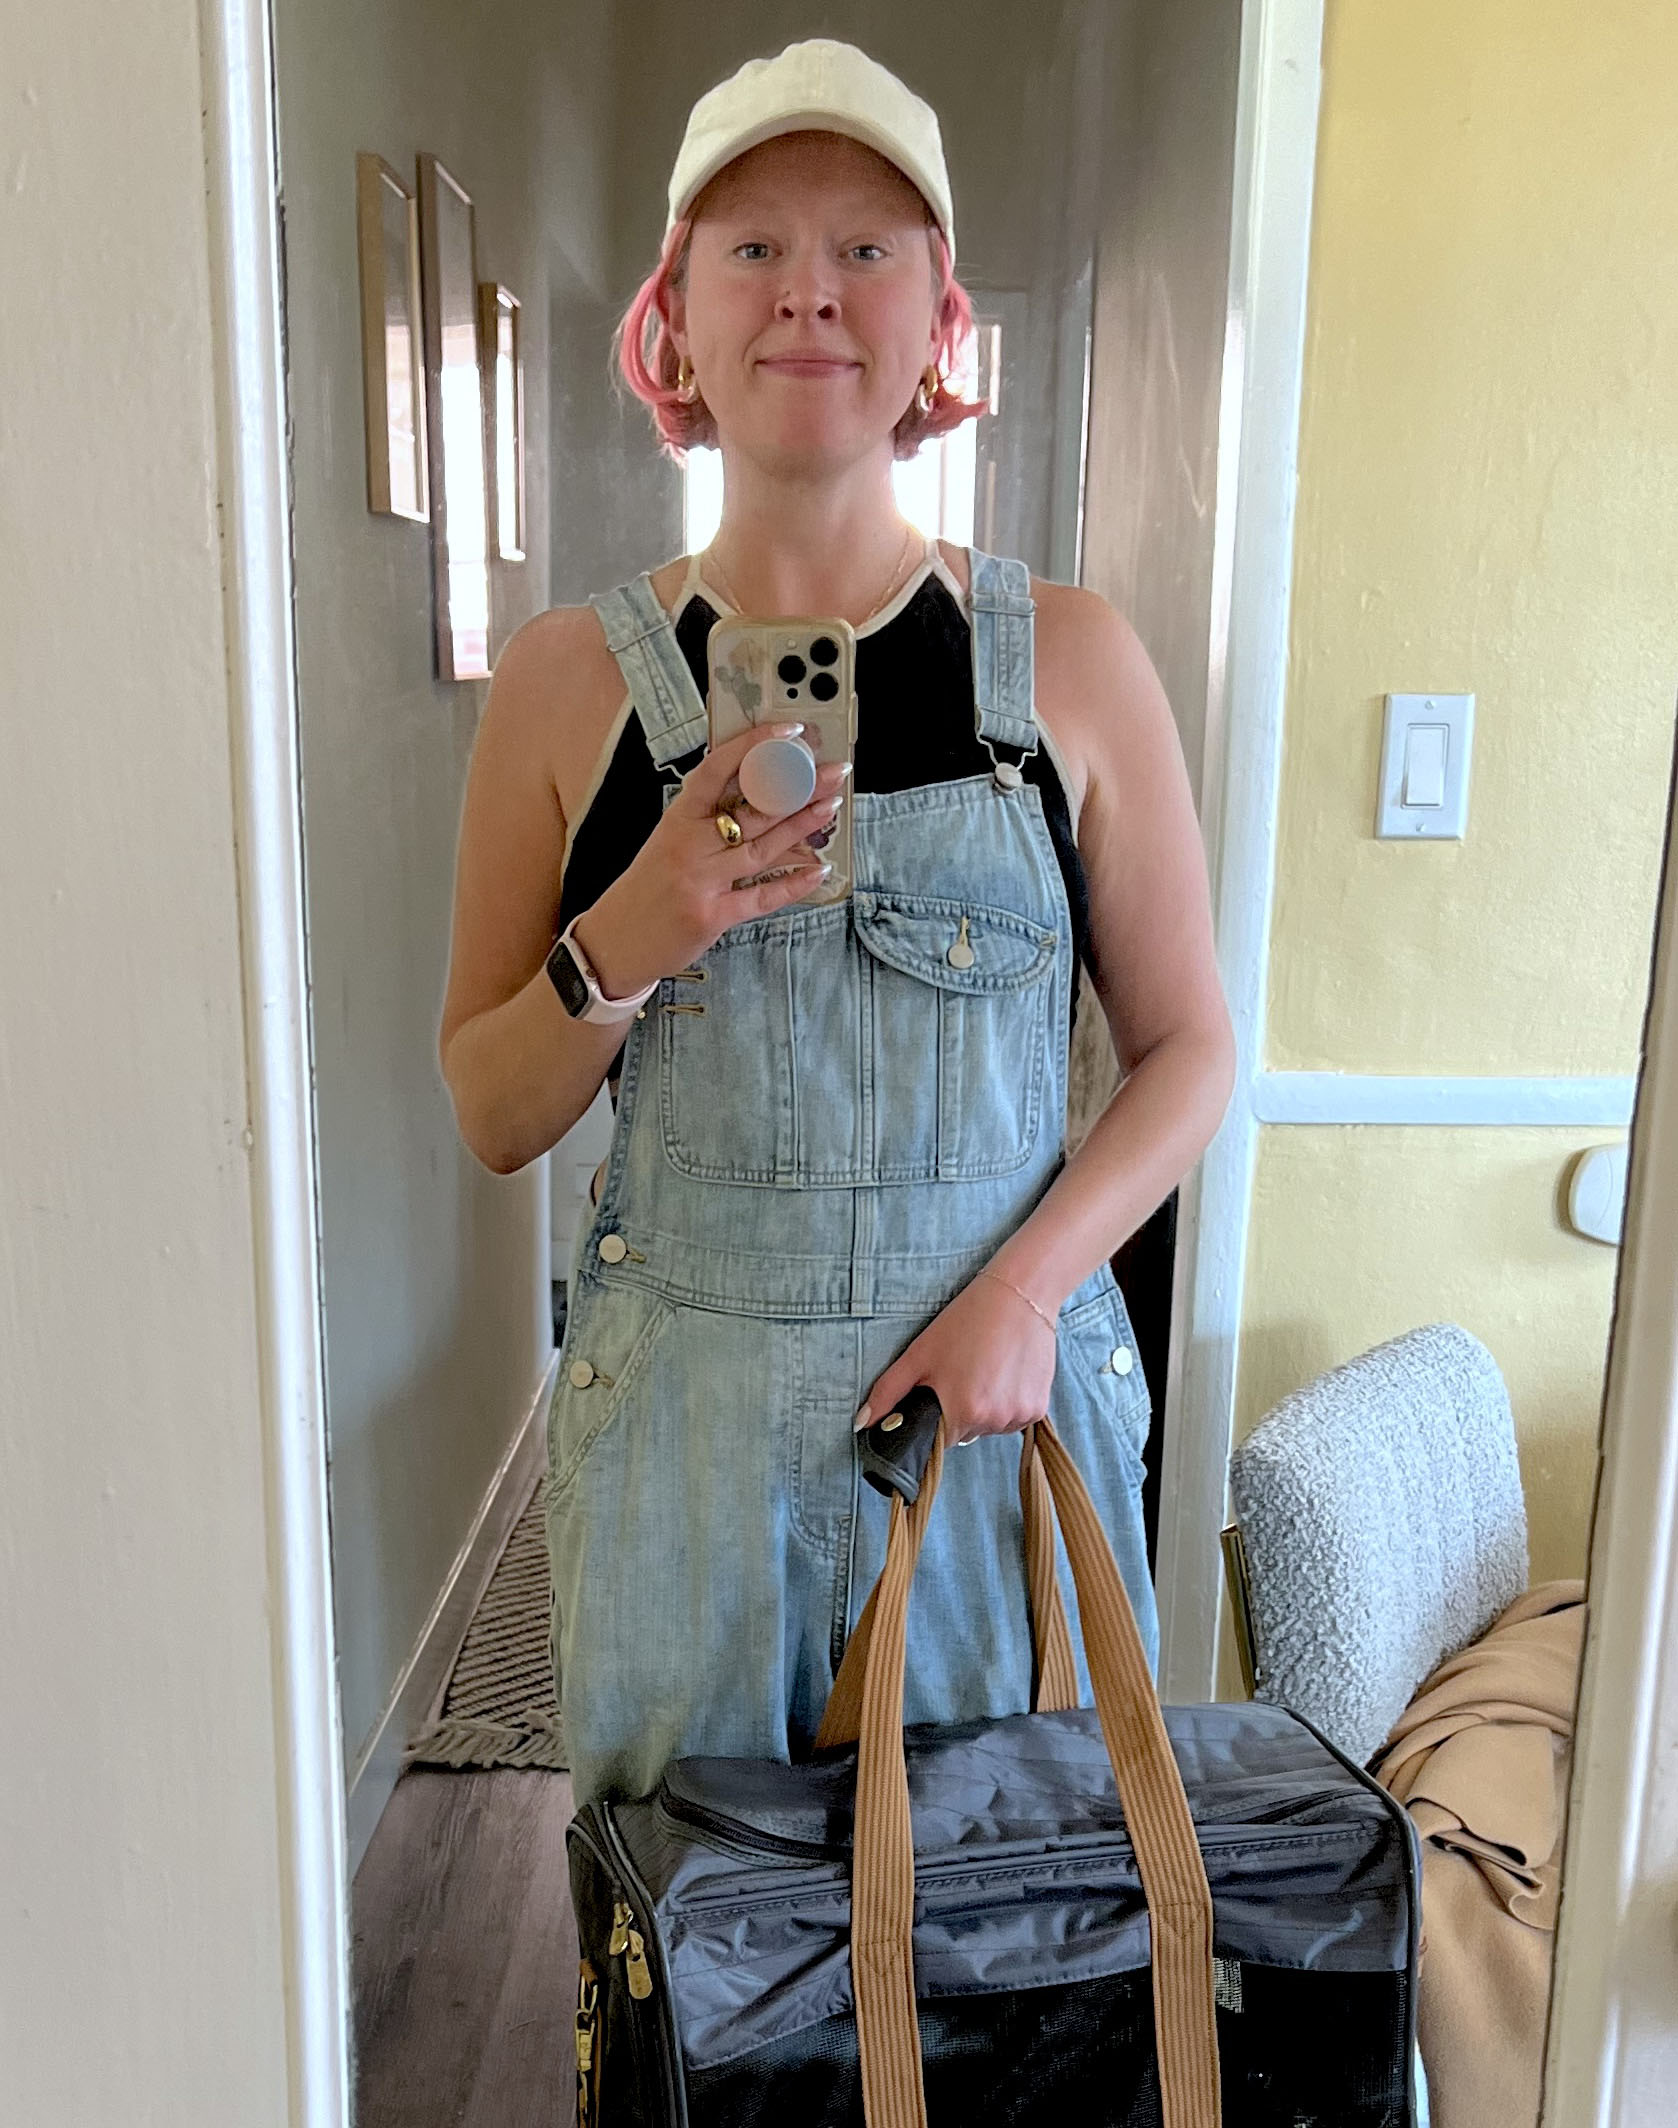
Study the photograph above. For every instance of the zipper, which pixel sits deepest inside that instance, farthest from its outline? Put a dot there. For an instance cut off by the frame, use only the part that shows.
(627, 1943)
(731, 1837)
(588, 2045)
(1279, 1813)
(743, 1839)
(621, 1868)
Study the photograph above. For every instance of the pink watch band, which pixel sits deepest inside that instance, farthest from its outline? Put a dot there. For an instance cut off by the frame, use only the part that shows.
(600, 1007)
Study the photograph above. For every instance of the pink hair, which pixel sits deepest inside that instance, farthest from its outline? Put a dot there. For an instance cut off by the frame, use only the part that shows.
(647, 359)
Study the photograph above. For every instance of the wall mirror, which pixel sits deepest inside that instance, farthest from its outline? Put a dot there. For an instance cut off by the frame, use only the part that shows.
(1332, 346)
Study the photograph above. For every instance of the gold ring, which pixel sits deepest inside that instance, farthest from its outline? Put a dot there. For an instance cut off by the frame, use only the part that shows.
(729, 829)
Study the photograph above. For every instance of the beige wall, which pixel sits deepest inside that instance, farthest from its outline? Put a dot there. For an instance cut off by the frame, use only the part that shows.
(140, 1947)
(437, 1309)
(1488, 502)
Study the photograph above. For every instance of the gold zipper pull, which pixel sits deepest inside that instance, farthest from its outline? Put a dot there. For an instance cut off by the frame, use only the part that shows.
(588, 1997)
(621, 1918)
(640, 1979)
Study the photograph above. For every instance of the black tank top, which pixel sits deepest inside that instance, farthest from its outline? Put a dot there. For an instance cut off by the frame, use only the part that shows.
(915, 725)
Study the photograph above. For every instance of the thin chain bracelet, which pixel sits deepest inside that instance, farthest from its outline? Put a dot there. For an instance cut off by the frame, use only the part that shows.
(985, 1271)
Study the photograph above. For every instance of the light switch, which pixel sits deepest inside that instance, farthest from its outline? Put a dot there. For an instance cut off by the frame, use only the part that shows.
(1424, 764)
(1424, 767)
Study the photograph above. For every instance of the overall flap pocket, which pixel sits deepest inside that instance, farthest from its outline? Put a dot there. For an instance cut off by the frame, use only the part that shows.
(959, 946)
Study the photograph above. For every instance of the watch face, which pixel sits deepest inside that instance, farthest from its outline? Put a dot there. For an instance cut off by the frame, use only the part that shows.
(568, 980)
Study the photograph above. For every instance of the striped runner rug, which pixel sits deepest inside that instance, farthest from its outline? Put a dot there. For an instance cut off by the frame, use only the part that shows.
(498, 1706)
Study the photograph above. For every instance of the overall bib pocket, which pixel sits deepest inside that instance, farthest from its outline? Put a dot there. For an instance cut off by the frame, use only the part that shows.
(893, 1038)
(958, 1034)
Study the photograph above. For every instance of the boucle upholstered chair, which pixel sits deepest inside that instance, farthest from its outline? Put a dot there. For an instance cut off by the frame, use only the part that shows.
(1381, 1526)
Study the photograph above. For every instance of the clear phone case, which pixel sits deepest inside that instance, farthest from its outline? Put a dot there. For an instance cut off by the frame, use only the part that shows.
(772, 671)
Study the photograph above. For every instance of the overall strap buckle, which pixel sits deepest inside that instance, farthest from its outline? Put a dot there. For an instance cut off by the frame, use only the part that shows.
(1001, 609)
(642, 638)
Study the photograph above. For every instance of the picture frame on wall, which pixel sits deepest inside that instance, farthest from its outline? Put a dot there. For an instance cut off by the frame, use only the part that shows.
(454, 408)
(498, 341)
(392, 364)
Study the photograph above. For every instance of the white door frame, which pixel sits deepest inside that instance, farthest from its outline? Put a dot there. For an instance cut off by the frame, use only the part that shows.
(242, 165)
(1278, 95)
(1613, 2051)
(1274, 166)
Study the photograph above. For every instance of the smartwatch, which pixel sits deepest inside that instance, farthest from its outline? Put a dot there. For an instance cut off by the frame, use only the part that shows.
(573, 976)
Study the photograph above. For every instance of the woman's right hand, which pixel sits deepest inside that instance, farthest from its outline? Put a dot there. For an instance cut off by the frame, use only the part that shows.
(685, 886)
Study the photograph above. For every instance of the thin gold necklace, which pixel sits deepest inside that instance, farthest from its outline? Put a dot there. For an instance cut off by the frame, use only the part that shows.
(879, 605)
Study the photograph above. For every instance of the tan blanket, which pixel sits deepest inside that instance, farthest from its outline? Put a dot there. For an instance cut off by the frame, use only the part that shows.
(1480, 1757)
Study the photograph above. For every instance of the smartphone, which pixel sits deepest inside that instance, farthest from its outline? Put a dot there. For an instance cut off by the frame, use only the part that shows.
(775, 671)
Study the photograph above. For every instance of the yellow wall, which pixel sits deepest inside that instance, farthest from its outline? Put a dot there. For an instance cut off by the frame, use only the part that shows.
(1489, 503)
(1363, 1232)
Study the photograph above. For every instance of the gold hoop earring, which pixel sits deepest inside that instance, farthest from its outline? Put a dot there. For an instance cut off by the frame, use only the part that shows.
(687, 385)
(929, 387)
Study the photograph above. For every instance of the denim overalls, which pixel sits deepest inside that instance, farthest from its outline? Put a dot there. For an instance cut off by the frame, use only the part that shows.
(823, 1129)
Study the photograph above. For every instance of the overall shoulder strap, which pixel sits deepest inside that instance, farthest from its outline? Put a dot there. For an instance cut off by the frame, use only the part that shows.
(641, 636)
(1000, 607)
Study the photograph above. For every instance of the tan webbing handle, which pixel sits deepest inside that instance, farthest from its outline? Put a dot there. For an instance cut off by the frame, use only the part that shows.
(883, 1849)
(1150, 1789)
(1156, 1810)
(1056, 1683)
(1057, 1674)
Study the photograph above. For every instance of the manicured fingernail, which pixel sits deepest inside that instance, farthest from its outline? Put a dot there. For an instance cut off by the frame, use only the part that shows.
(862, 1418)
(845, 768)
(826, 872)
(786, 731)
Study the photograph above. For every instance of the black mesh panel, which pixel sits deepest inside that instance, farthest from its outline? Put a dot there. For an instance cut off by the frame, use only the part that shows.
(1305, 2051)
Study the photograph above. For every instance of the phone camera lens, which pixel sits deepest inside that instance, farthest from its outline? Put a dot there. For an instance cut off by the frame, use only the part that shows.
(824, 687)
(791, 669)
(824, 651)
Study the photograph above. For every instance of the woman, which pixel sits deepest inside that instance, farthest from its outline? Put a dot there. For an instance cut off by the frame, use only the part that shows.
(837, 1166)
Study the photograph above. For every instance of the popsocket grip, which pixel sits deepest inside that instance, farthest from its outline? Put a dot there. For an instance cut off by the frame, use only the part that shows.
(777, 776)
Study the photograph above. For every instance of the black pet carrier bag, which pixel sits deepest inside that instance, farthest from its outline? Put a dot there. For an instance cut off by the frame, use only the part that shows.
(1106, 1918)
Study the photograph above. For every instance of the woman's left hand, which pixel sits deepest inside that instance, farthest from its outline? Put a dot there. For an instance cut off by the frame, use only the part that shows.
(989, 1358)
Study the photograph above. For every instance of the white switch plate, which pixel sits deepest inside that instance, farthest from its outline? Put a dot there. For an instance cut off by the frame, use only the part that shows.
(1408, 761)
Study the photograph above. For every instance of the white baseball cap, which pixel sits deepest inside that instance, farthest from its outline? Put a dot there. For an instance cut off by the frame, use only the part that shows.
(819, 86)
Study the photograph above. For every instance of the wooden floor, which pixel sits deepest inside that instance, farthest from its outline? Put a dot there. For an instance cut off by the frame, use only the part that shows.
(464, 1955)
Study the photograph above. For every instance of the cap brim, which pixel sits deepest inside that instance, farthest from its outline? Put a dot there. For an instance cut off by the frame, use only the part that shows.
(814, 121)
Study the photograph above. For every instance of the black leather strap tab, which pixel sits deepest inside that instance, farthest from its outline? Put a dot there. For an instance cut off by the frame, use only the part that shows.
(894, 1460)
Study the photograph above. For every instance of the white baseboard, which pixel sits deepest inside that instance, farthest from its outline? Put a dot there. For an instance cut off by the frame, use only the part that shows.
(379, 1763)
